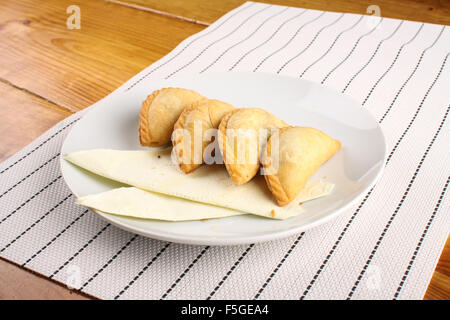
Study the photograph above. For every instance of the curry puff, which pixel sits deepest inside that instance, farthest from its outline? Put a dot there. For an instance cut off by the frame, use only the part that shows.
(159, 113)
(195, 130)
(301, 151)
(242, 136)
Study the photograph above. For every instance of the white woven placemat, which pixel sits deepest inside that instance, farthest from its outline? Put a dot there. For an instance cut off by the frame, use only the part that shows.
(385, 247)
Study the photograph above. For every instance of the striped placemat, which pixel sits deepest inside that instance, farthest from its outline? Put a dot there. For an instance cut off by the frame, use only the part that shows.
(384, 247)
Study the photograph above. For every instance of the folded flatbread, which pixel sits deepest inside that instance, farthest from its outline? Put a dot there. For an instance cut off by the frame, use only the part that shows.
(138, 203)
(154, 171)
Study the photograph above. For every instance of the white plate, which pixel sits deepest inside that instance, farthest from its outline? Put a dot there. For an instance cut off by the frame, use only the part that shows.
(113, 123)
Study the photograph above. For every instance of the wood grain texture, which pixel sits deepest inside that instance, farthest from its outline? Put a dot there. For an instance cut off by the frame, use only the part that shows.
(18, 283)
(75, 68)
(47, 71)
(439, 287)
(23, 118)
(208, 11)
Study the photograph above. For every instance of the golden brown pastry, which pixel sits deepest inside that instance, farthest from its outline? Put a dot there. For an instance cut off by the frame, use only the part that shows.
(189, 138)
(242, 134)
(301, 151)
(159, 113)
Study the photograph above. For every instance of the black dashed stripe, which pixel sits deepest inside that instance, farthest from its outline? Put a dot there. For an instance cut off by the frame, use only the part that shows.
(289, 41)
(373, 56)
(351, 51)
(29, 199)
(34, 224)
(405, 194)
(267, 40)
(336, 244)
(238, 261)
(55, 238)
(187, 46)
(40, 145)
(217, 41)
(142, 271)
(417, 111)
(410, 76)
(331, 47)
(392, 64)
(114, 257)
(419, 244)
(310, 43)
(184, 273)
(30, 174)
(280, 264)
(245, 39)
(365, 198)
(79, 251)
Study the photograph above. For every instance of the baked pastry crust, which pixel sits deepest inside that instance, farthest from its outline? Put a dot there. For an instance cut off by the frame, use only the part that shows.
(301, 151)
(160, 111)
(191, 128)
(241, 143)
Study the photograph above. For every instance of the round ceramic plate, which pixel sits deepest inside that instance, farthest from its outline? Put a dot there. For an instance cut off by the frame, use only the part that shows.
(113, 123)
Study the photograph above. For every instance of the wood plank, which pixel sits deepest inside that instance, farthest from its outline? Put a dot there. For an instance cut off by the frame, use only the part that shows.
(23, 118)
(433, 11)
(75, 68)
(17, 283)
(444, 261)
(439, 287)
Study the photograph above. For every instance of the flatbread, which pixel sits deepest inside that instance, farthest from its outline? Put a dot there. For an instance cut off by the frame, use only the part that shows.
(137, 203)
(154, 171)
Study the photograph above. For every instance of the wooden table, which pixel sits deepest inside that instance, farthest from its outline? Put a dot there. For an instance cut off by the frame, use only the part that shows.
(47, 72)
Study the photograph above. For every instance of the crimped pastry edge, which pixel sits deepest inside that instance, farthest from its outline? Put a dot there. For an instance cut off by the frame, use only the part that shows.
(272, 181)
(226, 154)
(177, 140)
(144, 134)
